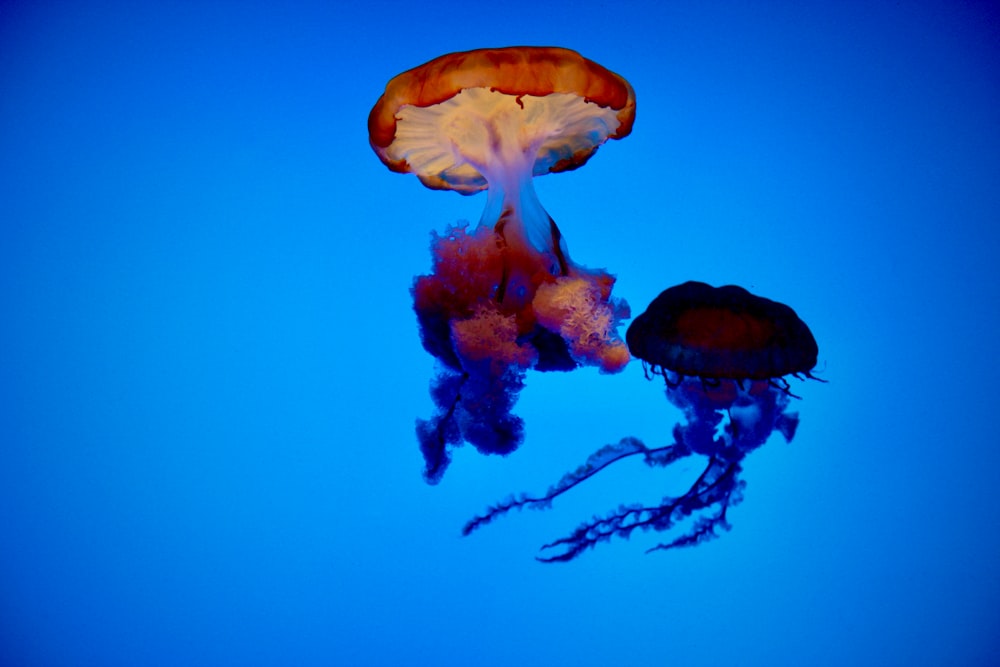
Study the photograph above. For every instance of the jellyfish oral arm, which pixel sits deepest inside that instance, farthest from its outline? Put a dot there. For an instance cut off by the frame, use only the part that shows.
(717, 486)
(519, 219)
(595, 463)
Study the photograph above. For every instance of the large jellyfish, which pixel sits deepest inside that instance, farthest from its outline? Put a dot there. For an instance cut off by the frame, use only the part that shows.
(504, 297)
(724, 354)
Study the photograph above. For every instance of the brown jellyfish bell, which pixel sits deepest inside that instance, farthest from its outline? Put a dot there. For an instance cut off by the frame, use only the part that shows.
(506, 296)
(722, 333)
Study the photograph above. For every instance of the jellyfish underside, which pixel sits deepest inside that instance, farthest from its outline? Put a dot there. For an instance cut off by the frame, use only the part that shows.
(504, 297)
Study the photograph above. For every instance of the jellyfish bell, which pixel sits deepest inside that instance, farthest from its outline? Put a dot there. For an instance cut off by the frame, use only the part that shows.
(571, 105)
(721, 333)
(503, 297)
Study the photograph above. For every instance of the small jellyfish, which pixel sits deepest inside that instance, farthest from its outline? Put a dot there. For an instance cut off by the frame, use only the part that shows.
(723, 354)
(504, 297)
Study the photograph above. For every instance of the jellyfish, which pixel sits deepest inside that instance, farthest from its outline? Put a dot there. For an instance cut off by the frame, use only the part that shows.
(724, 355)
(504, 297)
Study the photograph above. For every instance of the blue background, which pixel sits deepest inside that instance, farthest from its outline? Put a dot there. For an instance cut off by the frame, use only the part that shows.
(210, 369)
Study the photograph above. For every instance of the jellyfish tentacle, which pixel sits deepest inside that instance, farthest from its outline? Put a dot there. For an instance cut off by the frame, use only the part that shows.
(809, 375)
(596, 462)
(782, 385)
(717, 485)
(671, 384)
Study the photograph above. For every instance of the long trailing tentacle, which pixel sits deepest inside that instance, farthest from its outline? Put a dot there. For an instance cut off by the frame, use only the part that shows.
(716, 486)
(596, 462)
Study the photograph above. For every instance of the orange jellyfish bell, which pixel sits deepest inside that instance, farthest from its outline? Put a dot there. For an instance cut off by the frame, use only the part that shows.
(478, 111)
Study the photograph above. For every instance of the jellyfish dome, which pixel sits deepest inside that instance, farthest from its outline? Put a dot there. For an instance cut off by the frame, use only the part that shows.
(504, 297)
(721, 333)
(724, 355)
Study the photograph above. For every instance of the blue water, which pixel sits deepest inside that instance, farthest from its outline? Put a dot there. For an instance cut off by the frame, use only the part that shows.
(210, 368)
